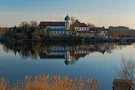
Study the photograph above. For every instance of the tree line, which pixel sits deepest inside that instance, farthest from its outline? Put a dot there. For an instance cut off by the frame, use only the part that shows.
(25, 31)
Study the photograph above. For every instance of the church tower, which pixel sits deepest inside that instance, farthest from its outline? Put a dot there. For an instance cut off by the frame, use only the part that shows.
(67, 22)
(67, 58)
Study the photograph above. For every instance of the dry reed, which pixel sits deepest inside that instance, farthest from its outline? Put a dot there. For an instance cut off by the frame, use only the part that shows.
(50, 83)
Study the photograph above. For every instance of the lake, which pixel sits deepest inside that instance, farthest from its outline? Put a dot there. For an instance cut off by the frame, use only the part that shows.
(95, 61)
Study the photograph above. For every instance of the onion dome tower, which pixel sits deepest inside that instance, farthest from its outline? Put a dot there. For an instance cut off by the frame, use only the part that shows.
(67, 22)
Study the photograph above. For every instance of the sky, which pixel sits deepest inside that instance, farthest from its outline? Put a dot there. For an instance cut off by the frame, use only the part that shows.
(99, 12)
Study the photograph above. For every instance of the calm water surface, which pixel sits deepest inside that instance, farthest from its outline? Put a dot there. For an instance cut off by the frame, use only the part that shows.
(97, 61)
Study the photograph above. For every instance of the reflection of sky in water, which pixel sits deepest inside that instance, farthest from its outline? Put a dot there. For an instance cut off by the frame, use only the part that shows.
(95, 65)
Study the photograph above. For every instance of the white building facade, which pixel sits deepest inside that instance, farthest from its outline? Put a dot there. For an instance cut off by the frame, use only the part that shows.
(67, 28)
(104, 34)
(64, 28)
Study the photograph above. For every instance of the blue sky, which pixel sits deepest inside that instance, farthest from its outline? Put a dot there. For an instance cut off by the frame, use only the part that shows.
(99, 12)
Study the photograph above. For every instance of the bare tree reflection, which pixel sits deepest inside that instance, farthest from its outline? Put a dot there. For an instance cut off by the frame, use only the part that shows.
(127, 72)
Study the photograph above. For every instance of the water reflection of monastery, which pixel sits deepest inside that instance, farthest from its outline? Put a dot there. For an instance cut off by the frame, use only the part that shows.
(72, 53)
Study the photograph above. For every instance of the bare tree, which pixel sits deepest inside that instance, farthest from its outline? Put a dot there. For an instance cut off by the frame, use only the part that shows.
(24, 25)
(91, 26)
(127, 71)
(33, 24)
(73, 19)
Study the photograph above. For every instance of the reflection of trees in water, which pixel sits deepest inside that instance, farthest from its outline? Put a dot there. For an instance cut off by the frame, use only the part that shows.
(115, 46)
(5, 49)
(127, 71)
(24, 50)
(33, 50)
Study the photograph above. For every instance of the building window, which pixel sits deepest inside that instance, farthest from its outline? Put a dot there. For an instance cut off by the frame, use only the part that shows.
(82, 29)
(61, 32)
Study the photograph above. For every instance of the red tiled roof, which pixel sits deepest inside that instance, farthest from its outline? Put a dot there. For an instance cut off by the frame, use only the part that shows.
(77, 24)
(77, 56)
(45, 24)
